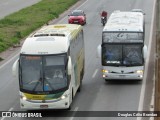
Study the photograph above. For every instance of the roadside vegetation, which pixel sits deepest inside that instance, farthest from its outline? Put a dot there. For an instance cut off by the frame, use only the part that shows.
(20, 24)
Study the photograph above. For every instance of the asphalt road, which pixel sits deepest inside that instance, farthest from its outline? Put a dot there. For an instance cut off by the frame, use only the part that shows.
(96, 94)
(9, 6)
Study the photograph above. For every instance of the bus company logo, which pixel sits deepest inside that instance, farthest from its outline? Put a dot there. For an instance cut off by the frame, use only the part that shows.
(6, 114)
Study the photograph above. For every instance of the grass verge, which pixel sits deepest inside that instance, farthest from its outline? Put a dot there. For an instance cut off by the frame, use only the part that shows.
(20, 24)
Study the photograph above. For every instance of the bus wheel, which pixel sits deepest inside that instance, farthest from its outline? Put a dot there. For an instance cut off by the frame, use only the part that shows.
(79, 88)
(69, 108)
(81, 78)
(106, 80)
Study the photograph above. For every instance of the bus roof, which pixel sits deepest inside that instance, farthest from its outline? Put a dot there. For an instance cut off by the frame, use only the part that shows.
(132, 21)
(51, 39)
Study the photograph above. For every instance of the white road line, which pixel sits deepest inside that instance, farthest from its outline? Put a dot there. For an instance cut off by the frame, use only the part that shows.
(11, 109)
(82, 4)
(95, 72)
(141, 101)
(76, 109)
(3, 118)
(3, 65)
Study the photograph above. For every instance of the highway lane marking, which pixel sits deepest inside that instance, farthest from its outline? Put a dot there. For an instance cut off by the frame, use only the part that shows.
(82, 4)
(76, 109)
(2, 118)
(95, 72)
(11, 109)
(141, 101)
(7, 62)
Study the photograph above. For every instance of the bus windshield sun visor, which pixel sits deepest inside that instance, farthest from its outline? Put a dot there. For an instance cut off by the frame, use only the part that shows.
(123, 37)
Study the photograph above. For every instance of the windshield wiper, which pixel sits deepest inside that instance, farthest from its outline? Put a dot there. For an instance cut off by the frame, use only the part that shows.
(39, 81)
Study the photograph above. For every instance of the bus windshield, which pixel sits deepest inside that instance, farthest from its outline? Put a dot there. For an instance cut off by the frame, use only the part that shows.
(122, 55)
(122, 36)
(43, 74)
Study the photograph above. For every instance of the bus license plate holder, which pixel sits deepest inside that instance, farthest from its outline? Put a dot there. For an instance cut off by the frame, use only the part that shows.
(122, 76)
(43, 106)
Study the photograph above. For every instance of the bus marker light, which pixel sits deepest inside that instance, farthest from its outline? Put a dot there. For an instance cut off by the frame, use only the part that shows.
(24, 98)
(139, 71)
(105, 71)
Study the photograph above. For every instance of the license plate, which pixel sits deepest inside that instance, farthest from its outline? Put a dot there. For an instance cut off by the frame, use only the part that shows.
(76, 21)
(122, 76)
(43, 106)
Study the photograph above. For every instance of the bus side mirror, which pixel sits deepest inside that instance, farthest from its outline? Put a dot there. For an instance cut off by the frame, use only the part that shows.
(69, 66)
(15, 68)
(99, 48)
(144, 52)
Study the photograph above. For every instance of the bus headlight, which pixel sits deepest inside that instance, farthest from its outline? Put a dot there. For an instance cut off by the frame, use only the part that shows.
(141, 76)
(23, 98)
(105, 71)
(64, 96)
(139, 71)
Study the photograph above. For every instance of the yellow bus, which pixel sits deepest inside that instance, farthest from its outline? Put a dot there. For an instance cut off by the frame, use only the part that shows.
(50, 68)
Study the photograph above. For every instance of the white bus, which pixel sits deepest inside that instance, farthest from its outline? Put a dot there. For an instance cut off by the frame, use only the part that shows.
(122, 51)
(50, 67)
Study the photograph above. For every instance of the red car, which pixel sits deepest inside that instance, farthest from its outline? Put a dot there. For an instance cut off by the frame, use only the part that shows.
(77, 17)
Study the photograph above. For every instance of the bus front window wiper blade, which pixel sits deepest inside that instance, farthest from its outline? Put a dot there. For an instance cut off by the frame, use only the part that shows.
(39, 81)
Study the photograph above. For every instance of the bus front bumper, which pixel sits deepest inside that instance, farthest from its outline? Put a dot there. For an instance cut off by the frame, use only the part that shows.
(111, 76)
(33, 105)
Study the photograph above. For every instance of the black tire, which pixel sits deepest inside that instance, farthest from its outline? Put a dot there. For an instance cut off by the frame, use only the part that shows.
(79, 89)
(82, 74)
(69, 108)
(106, 80)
